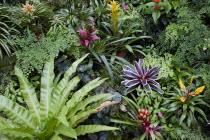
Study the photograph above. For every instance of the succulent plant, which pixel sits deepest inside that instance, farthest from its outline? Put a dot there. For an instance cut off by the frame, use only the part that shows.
(138, 77)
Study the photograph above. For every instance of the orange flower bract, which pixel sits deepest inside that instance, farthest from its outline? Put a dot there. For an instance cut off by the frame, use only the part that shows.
(27, 8)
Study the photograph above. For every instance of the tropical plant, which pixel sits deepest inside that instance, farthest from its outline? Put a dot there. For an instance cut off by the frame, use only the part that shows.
(34, 16)
(158, 6)
(54, 116)
(87, 35)
(114, 16)
(145, 123)
(6, 29)
(138, 77)
(34, 52)
(183, 104)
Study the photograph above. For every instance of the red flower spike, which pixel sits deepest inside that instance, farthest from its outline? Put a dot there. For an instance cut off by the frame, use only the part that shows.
(157, 1)
(156, 6)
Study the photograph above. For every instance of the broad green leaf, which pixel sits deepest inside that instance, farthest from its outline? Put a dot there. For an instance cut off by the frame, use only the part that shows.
(130, 101)
(123, 122)
(174, 108)
(80, 115)
(80, 94)
(184, 107)
(189, 118)
(86, 129)
(17, 113)
(174, 104)
(150, 4)
(95, 54)
(122, 60)
(183, 116)
(71, 85)
(156, 14)
(98, 106)
(49, 128)
(29, 94)
(107, 67)
(46, 89)
(120, 40)
(175, 4)
(129, 48)
(16, 133)
(57, 79)
(82, 105)
(192, 108)
(200, 111)
(66, 131)
(57, 92)
(56, 137)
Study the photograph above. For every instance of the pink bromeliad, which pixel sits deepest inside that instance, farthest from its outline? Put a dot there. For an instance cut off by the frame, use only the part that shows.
(87, 36)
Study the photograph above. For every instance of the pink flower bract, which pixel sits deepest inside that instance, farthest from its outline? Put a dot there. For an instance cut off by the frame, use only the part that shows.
(87, 36)
(160, 114)
(127, 7)
(55, 18)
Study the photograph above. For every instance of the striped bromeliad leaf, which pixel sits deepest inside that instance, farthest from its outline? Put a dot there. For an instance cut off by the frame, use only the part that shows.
(140, 78)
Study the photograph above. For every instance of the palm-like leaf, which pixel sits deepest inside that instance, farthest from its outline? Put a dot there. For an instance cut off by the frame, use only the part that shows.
(139, 77)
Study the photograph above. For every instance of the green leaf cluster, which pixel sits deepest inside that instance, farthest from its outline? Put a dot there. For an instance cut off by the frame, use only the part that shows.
(184, 113)
(54, 116)
(34, 52)
(164, 63)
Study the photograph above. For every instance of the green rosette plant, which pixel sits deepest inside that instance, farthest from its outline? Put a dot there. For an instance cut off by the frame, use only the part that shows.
(54, 116)
(182, 105)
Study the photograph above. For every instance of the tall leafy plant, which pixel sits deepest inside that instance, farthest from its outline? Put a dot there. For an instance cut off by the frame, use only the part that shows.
(54, 117)
(6, 29)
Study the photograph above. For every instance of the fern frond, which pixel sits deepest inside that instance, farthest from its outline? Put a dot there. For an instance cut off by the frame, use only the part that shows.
(62, 85)
(79, 95)
(15, 133)
(84, 129)
(46, 89)
(80, 115)
(71, 85)
(81, 105)
(66, 131)
(29, 94)
(17, 113)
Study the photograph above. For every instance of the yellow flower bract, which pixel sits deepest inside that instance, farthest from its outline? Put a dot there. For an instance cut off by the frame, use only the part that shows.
(199, 90)
(114, 15)
(182, 99)
(182, 86)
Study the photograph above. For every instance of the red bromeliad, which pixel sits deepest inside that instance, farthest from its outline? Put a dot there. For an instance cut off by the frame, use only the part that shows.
(157, 1)
(87, 35)
(156, 6)
(149, 128)
(143, 115)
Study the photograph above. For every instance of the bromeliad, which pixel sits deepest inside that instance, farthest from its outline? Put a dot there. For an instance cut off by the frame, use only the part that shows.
(28, 8)
(186, 91)
(140, 78)
(87, 36)
(114, 15)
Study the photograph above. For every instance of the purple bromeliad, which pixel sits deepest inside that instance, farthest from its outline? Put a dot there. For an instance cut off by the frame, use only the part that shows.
(139, 77)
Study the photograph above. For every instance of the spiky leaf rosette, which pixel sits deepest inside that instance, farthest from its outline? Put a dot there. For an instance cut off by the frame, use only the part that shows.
(140, 78)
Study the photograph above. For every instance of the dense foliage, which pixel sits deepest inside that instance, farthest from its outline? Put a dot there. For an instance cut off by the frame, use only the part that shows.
(148, 50)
